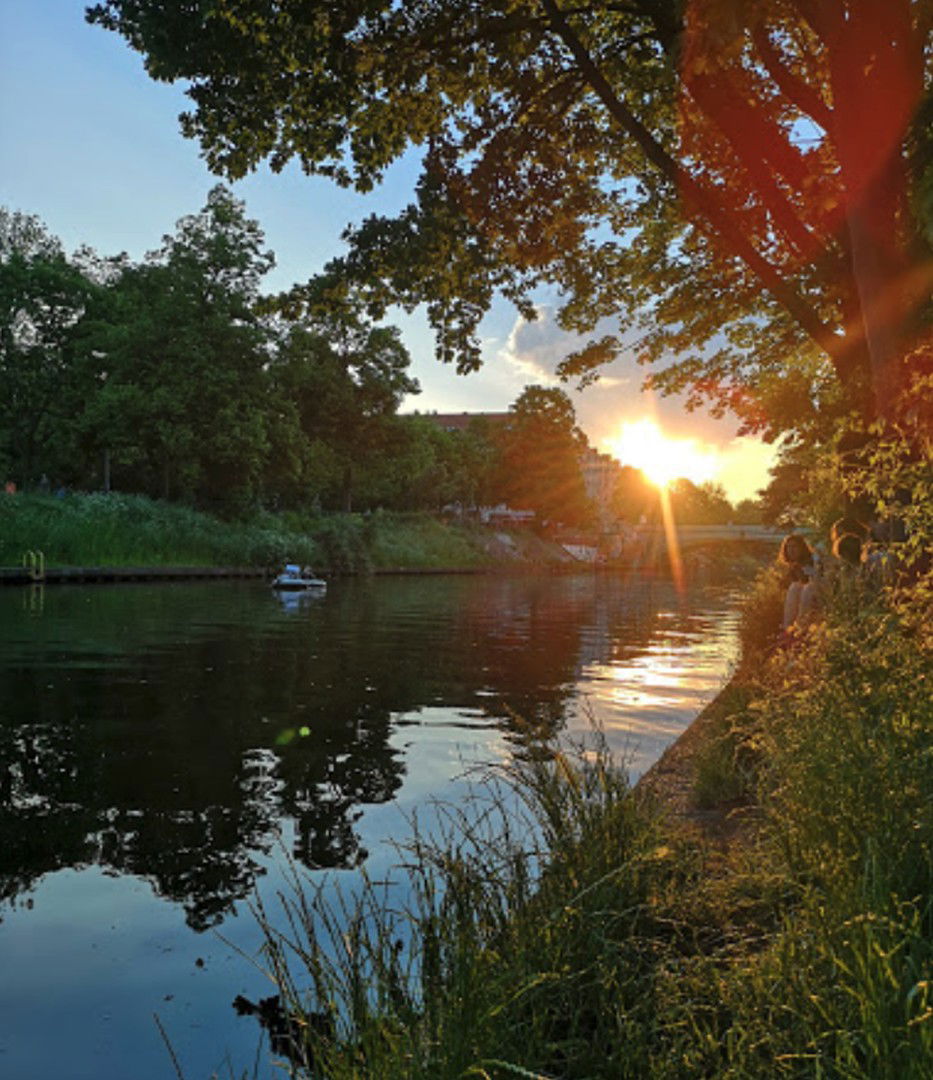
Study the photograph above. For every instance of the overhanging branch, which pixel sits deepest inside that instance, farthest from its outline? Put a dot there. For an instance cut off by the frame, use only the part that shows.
(714, 219)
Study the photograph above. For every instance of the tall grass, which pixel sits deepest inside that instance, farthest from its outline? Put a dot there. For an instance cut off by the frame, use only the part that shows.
(848, 738)
(131, 530)
(553, 928)
(523, 946)
(406, 541)
(843, 726)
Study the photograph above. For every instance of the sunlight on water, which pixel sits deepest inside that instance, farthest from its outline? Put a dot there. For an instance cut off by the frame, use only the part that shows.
(644, 700)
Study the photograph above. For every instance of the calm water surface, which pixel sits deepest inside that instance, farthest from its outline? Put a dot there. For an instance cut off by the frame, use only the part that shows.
(163, 747)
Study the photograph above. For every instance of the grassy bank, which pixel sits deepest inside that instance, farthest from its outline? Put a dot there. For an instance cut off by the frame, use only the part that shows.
(129, 530)
(586, 933)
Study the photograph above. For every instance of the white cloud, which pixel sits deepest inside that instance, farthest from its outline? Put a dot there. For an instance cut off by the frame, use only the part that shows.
(534, 349)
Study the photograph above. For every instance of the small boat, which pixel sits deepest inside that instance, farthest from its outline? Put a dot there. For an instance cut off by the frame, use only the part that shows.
(295, 578)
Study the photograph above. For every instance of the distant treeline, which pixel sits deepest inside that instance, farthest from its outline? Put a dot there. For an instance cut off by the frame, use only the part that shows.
(176, 378)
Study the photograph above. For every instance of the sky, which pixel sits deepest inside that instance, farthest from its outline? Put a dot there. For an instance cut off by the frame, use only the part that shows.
(91, 145)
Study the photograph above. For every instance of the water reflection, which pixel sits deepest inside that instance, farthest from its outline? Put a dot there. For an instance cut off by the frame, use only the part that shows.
(167, 731)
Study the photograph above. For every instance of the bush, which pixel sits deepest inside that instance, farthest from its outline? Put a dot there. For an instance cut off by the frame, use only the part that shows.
(761, 615)
(843, 989)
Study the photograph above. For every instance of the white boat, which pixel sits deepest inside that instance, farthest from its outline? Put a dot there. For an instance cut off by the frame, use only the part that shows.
(295, 578)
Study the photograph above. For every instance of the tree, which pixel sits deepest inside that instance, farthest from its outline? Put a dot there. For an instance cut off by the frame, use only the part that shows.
(748, 512)
(346, 375)
(633, 497)
(699, 504)
(739, 183)
(539, 462)
(181, 357)
(43, 299)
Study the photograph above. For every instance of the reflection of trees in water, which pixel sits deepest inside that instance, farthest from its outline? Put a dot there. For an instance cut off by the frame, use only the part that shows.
(171, 771)
(177, 758)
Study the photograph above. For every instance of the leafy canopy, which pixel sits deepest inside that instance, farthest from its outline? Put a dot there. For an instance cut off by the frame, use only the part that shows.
(43, 298)
(727, 180)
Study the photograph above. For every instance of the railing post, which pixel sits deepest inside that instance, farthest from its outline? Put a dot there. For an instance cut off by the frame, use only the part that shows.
(34, 564)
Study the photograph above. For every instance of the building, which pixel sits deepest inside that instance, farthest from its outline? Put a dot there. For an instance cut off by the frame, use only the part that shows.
(461, 421)
(600, 473)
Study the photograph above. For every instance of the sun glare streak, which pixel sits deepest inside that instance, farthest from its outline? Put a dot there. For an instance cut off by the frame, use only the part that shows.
(673, 545)
(642, 444)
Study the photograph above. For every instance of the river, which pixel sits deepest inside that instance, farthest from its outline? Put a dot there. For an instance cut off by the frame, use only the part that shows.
(162, 747)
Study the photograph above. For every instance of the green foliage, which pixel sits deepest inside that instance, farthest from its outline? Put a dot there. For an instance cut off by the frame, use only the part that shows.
(43, 299)
(762, 614)
(180, 342)
(700, 504)
(131, 530)
(718, 778)
(419, 541)
(424, 467)
(644, 159)
(633, 496)
(882, 473)
(748, 512)
(345, 377)
(173, 379)
(846, 731)
(519, 951)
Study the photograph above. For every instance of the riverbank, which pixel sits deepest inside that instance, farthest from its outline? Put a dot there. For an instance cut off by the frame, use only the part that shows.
(128, 531)
(760, 906)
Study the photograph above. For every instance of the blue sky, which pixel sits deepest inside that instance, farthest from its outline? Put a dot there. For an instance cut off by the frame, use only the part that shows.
(91, 145)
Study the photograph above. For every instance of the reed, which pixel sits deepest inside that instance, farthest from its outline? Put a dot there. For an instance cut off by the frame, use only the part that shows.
(519, 942)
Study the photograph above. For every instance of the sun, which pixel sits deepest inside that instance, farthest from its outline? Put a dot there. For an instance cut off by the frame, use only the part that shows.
(644, 445)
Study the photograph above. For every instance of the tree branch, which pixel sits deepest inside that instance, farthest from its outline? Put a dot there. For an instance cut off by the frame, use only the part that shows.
(716, 221)
(754, 143)
(794, 89)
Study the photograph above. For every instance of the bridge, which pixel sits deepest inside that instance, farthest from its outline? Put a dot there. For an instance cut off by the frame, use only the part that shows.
(641, 545)
(647, 545)
(701, 535)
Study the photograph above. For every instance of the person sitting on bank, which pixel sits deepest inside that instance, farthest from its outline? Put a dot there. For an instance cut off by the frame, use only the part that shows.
(847, 549)
(860, 547)
(848, 526)
(802, 575)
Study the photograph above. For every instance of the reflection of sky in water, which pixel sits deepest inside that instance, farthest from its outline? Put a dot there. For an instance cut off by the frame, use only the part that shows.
(644, 700)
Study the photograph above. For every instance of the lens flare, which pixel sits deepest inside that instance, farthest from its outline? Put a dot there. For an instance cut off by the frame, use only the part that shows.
(644, 445)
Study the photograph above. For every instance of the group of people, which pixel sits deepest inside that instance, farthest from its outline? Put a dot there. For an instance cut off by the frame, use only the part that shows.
(807, 573)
